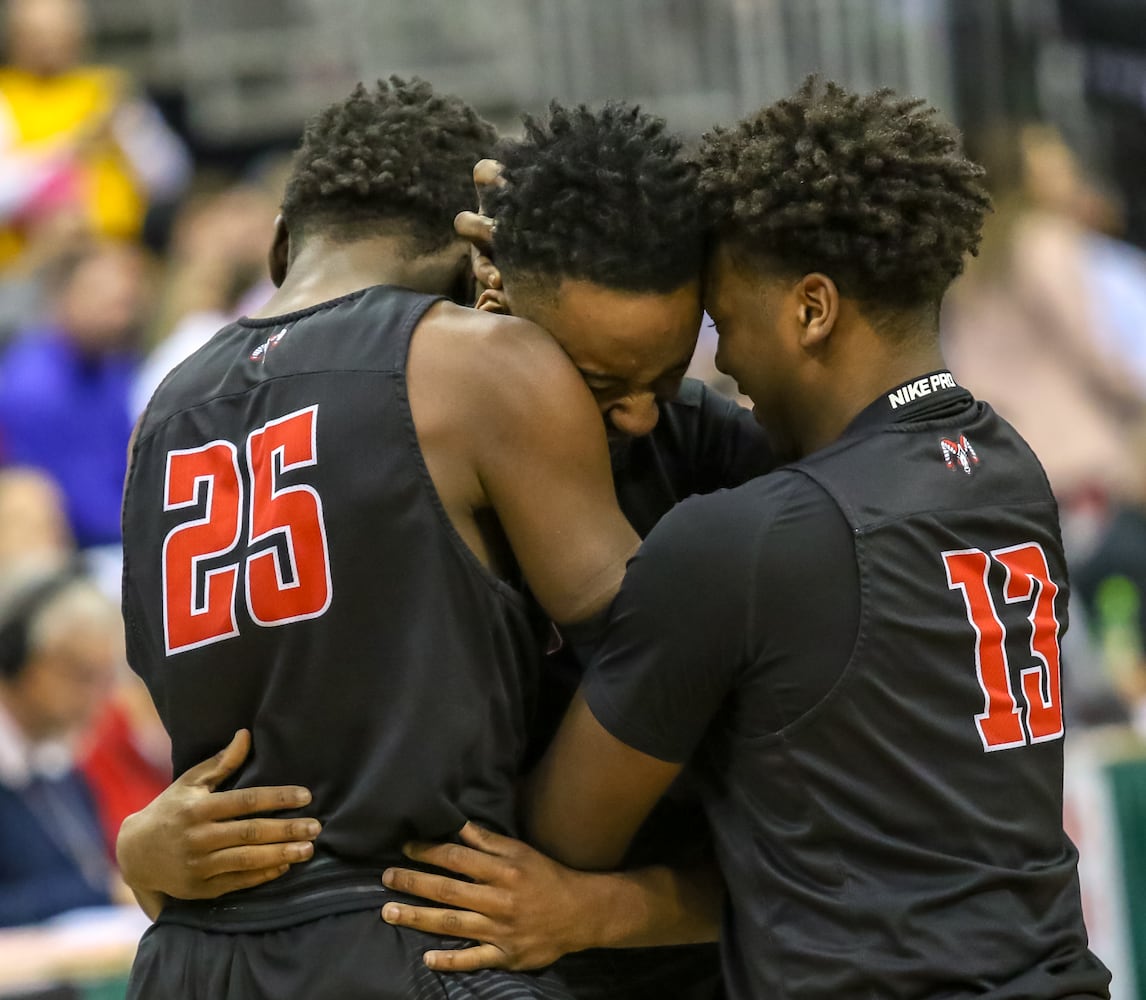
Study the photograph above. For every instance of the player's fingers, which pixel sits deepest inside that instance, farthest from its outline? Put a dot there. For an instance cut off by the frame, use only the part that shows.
(260, 798)
(432, 920)
(487, 177)
(488, 172)
(210, 772)
(484, 956)
(488, 842)
(485, 272)
(493, 301)
(252, 859)
(219, 835)
(476, 228)
(458, 858)
(231, 881)
(440, 889)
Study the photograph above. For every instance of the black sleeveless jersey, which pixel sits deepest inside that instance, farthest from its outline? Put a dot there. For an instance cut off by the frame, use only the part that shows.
(288, 567)
(882, 765)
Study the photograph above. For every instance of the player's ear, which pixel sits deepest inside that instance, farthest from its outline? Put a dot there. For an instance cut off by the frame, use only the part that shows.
(279, 256)
(818, 305)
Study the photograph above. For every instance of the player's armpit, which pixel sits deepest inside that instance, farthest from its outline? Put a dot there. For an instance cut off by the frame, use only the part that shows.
(192, 842)
(543, 463)
(591, 792)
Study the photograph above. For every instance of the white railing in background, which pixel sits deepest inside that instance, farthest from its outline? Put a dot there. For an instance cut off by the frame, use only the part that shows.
(256, 68)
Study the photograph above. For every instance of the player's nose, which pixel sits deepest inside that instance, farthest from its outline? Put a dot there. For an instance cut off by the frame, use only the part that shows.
(635, 415)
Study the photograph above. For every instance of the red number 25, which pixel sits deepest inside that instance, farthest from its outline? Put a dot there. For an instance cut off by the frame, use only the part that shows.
(199, 606)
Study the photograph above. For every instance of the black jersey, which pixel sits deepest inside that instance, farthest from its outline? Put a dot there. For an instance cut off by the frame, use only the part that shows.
(289, 568)
(882, 762)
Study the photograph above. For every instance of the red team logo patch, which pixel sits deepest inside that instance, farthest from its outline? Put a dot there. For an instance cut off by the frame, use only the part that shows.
(959, 451)
(260, 353)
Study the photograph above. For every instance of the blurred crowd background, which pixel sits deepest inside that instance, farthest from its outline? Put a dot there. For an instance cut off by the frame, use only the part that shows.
(143, 145)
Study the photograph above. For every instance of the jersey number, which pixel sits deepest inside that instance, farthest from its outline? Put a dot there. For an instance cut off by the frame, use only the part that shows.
(286, 561)
(1002, 723)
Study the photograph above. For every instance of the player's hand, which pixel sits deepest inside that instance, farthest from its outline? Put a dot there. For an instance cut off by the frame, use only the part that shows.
(191, 842)
(521, 906)
(478, 228)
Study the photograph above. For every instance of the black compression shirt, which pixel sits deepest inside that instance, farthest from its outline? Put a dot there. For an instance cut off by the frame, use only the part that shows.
(693, 579)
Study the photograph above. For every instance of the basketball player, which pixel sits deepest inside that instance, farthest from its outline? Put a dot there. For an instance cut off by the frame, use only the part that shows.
(660, 310)
(380, 482)
(858, 653)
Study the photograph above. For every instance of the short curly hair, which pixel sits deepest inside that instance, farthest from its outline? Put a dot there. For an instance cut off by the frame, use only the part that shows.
(605, 196)
(872, 190)
(396, 154)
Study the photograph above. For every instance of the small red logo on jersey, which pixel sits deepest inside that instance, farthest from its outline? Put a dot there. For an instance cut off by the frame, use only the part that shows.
(260, 352)
(959, 451)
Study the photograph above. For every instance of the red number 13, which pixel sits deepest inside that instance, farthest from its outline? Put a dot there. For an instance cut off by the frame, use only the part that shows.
(1001, 724)
(196, 613)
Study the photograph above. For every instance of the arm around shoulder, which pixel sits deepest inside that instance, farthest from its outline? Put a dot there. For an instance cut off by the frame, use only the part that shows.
(543, 462)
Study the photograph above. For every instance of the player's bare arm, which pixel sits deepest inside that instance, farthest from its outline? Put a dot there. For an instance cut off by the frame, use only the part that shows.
(508, 427)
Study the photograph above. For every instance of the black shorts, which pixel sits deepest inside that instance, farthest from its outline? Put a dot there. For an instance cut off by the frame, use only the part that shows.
(350, 956)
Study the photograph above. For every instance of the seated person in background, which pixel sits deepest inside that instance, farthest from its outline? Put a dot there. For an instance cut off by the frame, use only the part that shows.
(60, 641)
(126, 756)
(73, 135)
(32, 520)
(64, 387)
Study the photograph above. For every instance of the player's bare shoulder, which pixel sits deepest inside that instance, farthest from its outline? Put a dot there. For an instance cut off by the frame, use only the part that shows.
(506, 423)
(470, 369)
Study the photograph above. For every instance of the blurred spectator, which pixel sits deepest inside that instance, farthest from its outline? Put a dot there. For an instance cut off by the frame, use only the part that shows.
(60, 643)
(64, 388)
(33, 526)
(1111, 35)
(1111, 581)
(1033, 328)
(216, 262)
(126, 757)
(24, 286)
(74, 134)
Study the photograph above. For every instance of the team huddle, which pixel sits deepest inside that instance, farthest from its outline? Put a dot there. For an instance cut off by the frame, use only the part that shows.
(543, 671)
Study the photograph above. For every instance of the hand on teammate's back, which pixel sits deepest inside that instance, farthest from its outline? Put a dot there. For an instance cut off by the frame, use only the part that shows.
(521, 906)
(192, 842)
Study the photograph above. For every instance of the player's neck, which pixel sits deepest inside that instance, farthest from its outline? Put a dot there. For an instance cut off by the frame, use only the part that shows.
(876, 367)
(322, 270)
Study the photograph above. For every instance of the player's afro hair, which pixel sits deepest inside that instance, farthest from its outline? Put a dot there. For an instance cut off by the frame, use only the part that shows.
(603, 196)
(872, 190)
(397, 154)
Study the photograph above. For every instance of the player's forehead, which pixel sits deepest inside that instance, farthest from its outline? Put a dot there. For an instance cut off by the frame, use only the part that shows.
(736, 283)
(629, 335)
